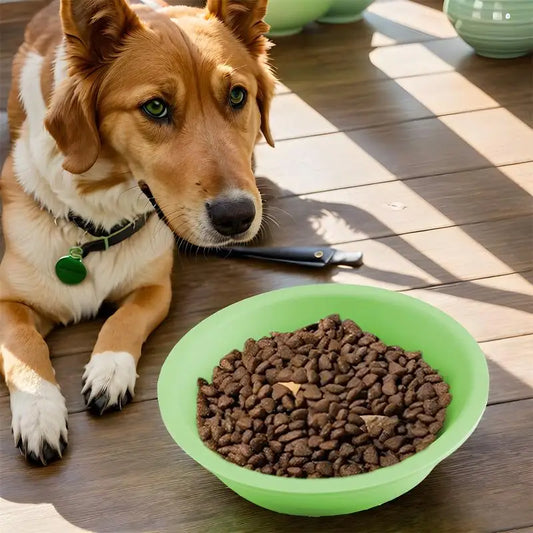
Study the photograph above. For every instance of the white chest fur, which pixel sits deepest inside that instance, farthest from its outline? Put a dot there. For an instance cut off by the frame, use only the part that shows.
(38, 168)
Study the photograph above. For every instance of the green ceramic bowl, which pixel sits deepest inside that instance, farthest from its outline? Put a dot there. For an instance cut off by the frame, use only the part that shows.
(396, 318)
(287, 17)
(494, 28)
(343, 11)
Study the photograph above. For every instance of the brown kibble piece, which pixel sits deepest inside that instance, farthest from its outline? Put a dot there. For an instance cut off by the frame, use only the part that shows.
(389, 388)
(279, 390)
(291, 435)
(370, 379)
(394, 443)
(350, 470)
(397, 369)
(435, 427)
(388, 460)
(370, 456)
(346, 449)
(374, 392)
(312, 392)
(326, 377)
(302, 450)
(324, 468)
(324, 362)
(425, 392)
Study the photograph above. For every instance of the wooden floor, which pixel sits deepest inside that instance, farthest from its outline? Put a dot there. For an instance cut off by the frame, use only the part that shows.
(395, 139)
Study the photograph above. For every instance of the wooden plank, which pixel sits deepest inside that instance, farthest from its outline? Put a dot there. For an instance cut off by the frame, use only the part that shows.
(132, 461)
(511, 372)
(430, 20)
(489, 309)
(342, 54)
(13, 12)
(450, 143)
(339, 160)
(292, 117)
(396, 207)
(370, 103)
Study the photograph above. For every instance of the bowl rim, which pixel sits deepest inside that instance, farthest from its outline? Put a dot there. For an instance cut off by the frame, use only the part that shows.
(442, 447)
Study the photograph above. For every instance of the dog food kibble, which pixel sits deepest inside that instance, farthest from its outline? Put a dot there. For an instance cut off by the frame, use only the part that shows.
(326, 400)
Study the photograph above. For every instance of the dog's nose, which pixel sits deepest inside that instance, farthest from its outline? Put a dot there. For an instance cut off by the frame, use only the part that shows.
(231, 216)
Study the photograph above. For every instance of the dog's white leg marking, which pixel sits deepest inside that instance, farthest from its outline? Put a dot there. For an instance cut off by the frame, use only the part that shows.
(39, 418)
(109, 378)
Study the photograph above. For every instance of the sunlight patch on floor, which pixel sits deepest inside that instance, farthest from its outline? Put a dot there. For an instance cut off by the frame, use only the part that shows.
(415, 16)
(508, 355)
(509, 291)
(497, 134)
(380, 39)
(522, 175)
(34, 518)
(340, 161)
(375, 207)
(407, 60)
(446, 93)
(291, 117)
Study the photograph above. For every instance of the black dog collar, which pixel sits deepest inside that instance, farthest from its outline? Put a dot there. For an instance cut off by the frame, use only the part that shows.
(70, 268)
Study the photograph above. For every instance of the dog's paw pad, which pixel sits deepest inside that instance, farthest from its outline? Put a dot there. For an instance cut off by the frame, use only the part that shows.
(39, 422)
(109, 381)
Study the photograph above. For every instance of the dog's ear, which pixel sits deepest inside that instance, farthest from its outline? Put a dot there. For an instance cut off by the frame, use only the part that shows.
(267, 83)
(94, 30)
(245, 18)
(71, 121)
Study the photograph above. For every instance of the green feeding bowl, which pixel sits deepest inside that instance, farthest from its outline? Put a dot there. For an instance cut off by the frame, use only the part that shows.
(343, 11)
(396, 318)
(494, 28)
(288, 17)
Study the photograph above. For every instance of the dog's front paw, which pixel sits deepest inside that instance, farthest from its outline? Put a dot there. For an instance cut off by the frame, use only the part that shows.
(109, 381)
(39, 422)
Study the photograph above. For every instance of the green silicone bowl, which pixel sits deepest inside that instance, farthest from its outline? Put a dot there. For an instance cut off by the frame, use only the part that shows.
(287, 17)
(343, 11)
(396, 318)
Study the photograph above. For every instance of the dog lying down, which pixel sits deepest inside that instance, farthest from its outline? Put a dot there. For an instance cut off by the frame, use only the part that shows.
(106, 96)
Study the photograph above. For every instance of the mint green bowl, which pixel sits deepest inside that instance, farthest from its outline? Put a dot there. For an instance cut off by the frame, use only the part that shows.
(343, 11)
(396, 318)
(288, 17)
(494, 28)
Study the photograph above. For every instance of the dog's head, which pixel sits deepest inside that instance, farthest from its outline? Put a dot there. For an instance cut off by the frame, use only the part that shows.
(179, 96)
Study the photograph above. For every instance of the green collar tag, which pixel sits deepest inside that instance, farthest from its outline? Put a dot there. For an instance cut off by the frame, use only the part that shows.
(70, 268)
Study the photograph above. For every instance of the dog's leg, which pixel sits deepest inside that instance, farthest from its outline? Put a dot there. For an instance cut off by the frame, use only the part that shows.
(39, 413)
(109, 377)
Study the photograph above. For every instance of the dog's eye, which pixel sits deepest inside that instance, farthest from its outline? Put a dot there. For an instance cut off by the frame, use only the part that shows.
(155, 108)
(237, 97)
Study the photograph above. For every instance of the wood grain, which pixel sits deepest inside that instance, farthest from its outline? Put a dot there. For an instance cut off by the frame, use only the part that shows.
(142, 469)
(397, 207)
(511, 374)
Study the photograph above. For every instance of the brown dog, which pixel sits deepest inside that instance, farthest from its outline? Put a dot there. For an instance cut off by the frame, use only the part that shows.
(106, 96)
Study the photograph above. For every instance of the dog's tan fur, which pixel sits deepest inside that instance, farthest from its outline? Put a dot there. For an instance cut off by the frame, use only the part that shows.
(117, 57)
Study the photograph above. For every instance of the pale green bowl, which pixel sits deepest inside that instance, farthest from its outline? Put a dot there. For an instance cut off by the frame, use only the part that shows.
(396, 318)
(288, 17)
(494, 28)
(343, 11)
